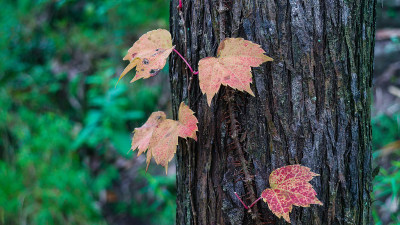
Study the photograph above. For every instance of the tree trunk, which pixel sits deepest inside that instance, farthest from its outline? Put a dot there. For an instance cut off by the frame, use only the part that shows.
(311, 107)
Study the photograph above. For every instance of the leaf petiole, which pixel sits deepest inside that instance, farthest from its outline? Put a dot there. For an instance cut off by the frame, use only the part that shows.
(252, 204)
(245, 206)
(194, 72)
(180, 5)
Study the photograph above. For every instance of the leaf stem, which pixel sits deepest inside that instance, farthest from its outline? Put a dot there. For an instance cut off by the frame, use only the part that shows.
(183, 58)
(245, 206)
(252, 204)
(180, 5)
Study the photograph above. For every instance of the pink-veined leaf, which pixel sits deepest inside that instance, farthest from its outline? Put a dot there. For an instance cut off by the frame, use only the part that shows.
(290, 186)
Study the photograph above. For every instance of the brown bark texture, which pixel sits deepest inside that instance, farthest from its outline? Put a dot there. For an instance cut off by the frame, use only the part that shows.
(311, 107)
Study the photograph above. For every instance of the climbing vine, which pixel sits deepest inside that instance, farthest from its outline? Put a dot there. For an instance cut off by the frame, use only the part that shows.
(158, 137)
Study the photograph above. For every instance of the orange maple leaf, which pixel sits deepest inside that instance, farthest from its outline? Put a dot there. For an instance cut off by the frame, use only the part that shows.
(231, 67)
(159, 136)
(290, 186)
(149, 54)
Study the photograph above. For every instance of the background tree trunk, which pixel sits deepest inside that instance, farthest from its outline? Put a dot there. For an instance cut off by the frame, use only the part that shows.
(311, 106)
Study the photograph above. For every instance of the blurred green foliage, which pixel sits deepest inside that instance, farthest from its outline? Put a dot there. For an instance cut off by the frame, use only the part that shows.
(161, 188)
(45, 183)
(386, 184)
(63, 124)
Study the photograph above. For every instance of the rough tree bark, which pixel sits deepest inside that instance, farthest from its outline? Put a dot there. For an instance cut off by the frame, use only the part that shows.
(311, 107)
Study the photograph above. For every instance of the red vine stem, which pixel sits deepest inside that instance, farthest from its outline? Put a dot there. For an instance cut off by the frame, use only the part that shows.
(245, 206)
(252, 204)
(180, 5)
(183, 58)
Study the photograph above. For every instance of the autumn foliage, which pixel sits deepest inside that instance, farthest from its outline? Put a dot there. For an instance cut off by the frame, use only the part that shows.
(290, 186)
(231, 67)
(158, 137)
(149, 54)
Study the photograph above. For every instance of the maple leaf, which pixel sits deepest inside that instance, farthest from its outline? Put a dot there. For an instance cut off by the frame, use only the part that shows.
(290, 186)
(231, 67)
(149, 54)
(142, 136)
(159, 136)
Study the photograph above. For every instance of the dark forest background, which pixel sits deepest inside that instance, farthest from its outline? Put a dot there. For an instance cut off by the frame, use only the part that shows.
(65, 128)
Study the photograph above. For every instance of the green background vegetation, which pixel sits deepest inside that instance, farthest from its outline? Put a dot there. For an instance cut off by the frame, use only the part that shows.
(65, 128)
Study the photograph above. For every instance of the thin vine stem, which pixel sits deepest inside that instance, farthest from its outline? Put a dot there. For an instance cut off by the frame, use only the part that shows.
(180, 5)
(252, 204)
(245, 206)
(183, 58)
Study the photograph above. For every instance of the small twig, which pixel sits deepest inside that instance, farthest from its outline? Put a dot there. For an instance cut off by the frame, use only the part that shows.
(183, 58)
(235, 137)
(245, 206)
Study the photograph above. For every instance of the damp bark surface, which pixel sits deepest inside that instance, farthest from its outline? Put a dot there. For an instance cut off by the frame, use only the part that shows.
(311, 107)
